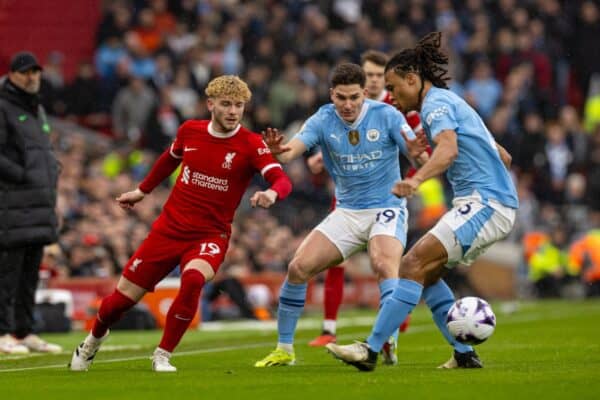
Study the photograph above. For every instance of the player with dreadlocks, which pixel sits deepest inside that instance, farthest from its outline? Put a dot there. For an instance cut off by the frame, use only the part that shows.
(483, 210)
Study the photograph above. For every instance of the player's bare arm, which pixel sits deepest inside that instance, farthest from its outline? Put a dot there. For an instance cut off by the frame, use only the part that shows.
(315, 163)
(417, 148)
(264, 199)
(443, 156)
(417, 145)
(127, 200)
(504, 156)
(283, 152)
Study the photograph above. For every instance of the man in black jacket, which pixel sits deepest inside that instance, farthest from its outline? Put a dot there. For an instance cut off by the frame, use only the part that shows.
(28, 177)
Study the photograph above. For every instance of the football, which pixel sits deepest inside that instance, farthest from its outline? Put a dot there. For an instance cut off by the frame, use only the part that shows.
(471, 320)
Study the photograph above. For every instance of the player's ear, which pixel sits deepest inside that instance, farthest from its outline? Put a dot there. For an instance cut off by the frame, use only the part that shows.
(210, 103)
(331, 94)
(412, 78)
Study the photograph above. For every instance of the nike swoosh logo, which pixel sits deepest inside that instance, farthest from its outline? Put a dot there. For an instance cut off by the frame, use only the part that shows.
(189, 149)
(179, 317)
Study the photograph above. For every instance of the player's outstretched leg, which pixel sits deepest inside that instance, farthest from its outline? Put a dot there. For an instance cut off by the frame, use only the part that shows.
(179, 318)
(332, 299)
(389, 351)
(439, 298)
(291, 303)
(84, 354)
(111, 310)
(357, 354)
(403, 300)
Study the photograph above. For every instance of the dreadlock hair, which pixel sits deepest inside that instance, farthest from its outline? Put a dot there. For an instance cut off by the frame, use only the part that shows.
(425, 59)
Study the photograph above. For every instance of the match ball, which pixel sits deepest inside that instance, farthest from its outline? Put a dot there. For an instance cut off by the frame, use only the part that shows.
(471, 320)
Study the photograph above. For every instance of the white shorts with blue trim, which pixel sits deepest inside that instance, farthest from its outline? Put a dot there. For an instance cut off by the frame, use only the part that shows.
(351, 230)
(471, 227)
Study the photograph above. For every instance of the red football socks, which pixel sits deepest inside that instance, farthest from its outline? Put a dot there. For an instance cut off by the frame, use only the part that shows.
(334, 291)
(111, 310)
(183, 309)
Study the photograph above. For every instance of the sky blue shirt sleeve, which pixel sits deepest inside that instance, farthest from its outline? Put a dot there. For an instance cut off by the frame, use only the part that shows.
(397, 124)
(310, 132)
(438, 116)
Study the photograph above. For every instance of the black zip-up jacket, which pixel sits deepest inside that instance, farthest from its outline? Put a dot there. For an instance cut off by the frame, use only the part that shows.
(28, 171)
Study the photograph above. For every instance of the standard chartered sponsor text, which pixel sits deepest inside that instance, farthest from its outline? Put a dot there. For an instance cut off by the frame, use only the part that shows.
(210, 182)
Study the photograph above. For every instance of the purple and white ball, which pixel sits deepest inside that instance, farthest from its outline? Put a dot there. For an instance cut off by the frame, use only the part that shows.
(471, 320)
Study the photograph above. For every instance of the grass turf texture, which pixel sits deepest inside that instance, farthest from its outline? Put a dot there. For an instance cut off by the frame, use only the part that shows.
(545, 350)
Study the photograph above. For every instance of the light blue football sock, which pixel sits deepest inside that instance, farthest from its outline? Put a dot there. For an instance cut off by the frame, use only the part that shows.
(439, 298)
(291, 304)
(395, 309)
(386, 288)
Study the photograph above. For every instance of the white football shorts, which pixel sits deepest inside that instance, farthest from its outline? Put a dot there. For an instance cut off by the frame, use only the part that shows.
(471, 227)
(351, 230)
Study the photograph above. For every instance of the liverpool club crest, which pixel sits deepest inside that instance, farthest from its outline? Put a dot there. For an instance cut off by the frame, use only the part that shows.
(353, 137)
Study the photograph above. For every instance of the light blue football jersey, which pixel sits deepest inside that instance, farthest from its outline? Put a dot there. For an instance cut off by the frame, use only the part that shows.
(478, 166)
(362, 157)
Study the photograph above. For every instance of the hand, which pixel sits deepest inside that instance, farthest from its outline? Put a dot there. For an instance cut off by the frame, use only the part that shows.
(263, 199)
(127, 200)
(417, 145)
(406, 187)
(273, 140)
(315, 163)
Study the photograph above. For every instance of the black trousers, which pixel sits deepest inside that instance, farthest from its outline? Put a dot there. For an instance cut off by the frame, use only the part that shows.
(19, 275)
(236, 293)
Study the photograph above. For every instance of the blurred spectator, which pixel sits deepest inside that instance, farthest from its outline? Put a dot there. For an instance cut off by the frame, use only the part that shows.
(587, 58)
(81, 96)
(53, 83)
(164, 21)
(131, 109)
(584, 257)
(559, 159)
(116, 20)
(180, 41)
(147, 32)
(548, 265)
(182, 96)
(163, 73)
(576, 136)
(162, 124)
(482, 90)
(593, 188)
(529, 157)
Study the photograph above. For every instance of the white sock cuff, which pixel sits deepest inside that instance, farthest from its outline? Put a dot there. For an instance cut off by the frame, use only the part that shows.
(330, 325)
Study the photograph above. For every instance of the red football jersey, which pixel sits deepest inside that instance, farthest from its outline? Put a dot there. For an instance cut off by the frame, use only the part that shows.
(215, 172)
(385, 97)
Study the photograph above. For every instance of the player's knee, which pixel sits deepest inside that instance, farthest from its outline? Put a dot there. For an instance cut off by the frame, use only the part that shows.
(298, 271)
(384, 269)
(411, 268)
(201, 266)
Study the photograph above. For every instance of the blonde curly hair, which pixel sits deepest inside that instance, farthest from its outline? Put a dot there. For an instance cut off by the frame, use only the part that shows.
(228, 86)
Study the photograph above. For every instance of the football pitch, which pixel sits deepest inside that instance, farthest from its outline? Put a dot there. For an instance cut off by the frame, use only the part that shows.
(543, 350)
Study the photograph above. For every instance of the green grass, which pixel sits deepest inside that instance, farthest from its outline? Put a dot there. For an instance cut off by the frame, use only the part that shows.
(546, 350)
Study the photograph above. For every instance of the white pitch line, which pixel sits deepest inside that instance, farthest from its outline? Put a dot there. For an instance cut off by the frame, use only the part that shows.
(302, 325)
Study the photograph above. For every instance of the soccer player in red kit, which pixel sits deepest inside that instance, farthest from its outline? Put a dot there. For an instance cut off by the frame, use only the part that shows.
(373, 63)
(218, 158)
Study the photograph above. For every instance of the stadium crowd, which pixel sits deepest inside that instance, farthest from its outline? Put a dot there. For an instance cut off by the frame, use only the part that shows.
(530, 68)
